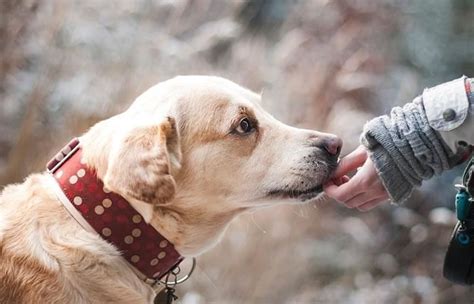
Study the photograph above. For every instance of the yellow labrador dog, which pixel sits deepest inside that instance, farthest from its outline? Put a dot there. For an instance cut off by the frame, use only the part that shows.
(189, 155)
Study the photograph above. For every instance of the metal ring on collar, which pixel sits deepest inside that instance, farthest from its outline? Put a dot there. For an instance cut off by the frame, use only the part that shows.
(177, 281)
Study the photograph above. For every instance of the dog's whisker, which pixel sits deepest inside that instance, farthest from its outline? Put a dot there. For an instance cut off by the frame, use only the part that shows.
(320, 199)
(302, 211)
(257, 225)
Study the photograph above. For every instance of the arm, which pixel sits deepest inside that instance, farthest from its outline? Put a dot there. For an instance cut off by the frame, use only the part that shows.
(409, 146)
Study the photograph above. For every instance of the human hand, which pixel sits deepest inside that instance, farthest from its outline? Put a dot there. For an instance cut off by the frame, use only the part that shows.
(364, 190)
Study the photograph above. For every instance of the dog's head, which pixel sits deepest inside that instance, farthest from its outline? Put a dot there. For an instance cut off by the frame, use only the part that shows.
(201, 150)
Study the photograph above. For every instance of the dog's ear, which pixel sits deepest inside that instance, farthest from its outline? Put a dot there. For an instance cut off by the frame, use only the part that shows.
(142, 161)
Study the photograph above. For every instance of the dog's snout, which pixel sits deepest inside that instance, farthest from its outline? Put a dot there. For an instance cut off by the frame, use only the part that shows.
(330, 144)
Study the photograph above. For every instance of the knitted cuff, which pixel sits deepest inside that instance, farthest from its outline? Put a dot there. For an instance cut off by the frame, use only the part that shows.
(398, 188)
(405, 150)
(383, 153)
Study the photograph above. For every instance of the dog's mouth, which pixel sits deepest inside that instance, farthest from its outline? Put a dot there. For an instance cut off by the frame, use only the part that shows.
(302, 195)
(318, 180)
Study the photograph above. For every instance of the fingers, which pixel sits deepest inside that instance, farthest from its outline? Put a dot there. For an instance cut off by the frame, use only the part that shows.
(341, 180)
(365, 197)
(345, 191)
(372, 204)
(363, 191)
(362, 182)
(351, 162)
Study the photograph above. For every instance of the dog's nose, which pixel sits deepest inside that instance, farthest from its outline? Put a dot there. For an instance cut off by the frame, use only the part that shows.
(328, 143)
(332, 145)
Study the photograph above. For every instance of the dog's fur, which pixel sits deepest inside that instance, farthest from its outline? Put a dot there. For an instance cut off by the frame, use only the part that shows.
(180, 157)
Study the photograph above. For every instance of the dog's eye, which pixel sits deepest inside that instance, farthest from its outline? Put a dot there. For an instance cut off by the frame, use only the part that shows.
(245, 126)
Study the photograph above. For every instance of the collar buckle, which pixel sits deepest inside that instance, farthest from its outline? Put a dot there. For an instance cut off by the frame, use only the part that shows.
(62, 156)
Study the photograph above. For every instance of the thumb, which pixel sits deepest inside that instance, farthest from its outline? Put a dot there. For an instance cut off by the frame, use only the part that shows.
(352, 161)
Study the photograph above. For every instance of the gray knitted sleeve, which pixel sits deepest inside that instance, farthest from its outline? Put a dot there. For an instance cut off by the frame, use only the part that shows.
(405, 149)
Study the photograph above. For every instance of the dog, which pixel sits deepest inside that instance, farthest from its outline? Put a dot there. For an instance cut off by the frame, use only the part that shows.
(189, 155)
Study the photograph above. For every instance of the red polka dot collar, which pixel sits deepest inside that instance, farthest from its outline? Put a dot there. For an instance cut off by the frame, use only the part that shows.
(111, 216)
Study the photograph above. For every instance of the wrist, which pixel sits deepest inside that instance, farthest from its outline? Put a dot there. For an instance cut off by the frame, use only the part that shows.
(396, 183)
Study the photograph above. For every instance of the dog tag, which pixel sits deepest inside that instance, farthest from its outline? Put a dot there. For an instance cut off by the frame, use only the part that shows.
(165, 296)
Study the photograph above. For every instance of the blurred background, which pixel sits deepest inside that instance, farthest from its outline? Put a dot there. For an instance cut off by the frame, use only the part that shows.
(324, 64)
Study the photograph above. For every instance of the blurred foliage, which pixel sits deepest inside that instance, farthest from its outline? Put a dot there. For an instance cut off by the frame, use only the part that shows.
(323, 64)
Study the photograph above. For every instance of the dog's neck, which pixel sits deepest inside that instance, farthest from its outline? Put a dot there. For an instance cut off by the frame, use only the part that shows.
(190, 228)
